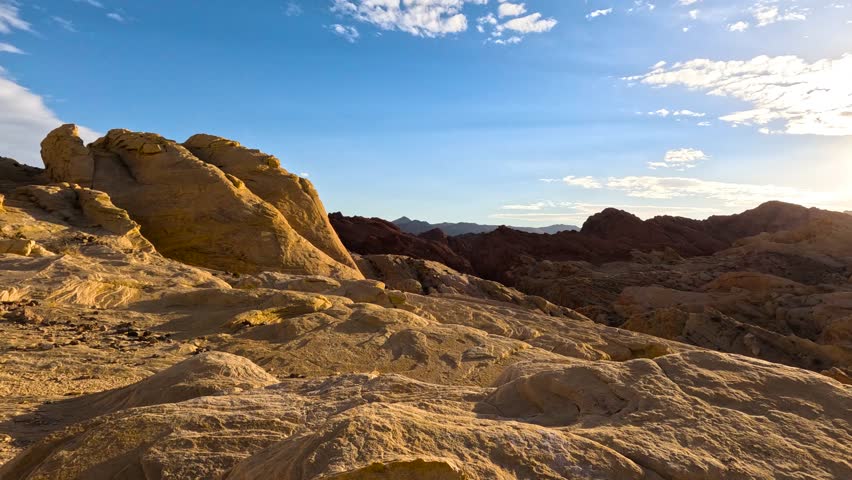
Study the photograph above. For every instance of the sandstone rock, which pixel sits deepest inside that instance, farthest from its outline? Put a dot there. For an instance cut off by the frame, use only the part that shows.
(192, 211)
(679, 416)
(209, 373)
(66, 158)
(293, 196)
(25, 248)
(84, 207)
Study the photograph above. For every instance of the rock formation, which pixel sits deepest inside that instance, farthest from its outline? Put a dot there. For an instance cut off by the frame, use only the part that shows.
(194, 211)
(293, 196)
(122, 358)
(375, 236)
(771, 282)
(65, 157)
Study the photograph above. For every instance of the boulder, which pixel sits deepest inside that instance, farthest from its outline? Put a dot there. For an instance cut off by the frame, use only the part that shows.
(66, 158)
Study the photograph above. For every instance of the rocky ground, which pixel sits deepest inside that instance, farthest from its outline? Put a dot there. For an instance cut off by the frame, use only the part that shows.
(774, 282)
(188, 352)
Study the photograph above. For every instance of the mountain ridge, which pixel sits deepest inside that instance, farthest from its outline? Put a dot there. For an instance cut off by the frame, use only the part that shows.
(453, 229)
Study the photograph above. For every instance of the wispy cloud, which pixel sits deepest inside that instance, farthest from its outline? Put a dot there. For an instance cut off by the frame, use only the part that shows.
(9, 48)
(683, 196)
(767, 12)
(577, 212)
(64, 23)
(680, 159)
(801, 97)
(533, 23)
(598, 13)
(117, 17)
(530, 206)
(348, 33)
(740, 26)
(93, 3)
(10, 18)
(293, 9)
(584, 182)
(664, 112)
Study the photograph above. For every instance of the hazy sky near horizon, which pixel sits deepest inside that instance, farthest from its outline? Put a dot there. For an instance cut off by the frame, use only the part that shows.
(524, 113)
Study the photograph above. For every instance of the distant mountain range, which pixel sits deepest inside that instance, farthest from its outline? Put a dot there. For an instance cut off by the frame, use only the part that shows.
(416, 227)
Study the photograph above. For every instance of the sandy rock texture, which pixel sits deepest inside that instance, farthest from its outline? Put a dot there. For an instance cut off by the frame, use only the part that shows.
(678, 416)
(126, 353)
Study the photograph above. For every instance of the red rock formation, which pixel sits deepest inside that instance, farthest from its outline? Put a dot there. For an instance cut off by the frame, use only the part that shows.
(370, 236)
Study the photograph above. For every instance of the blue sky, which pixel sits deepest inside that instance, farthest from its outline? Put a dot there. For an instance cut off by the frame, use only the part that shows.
(525, 113)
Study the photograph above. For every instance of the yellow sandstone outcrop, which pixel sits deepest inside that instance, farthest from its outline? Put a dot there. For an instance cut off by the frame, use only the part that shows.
(189, 209)
(293, 196)
(65, 157)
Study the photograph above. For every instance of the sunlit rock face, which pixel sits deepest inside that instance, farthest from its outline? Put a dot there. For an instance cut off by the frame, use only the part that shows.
(195, 212)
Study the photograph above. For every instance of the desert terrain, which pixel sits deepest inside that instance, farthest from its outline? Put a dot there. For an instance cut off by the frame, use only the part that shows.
(189, 310)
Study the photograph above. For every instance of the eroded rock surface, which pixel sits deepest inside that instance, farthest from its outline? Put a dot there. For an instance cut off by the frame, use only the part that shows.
(678, 416)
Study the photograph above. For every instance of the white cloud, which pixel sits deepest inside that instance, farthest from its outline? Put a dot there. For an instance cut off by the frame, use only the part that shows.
(688, 2)
(598, 13)
(767, 12)
(532, 23)
(584, 182)
(517, 28)
(514, 39)
(24, 121)
(738, 27)
(9, 48)
(116, 16)
(729, 194)
(689, 113)
(531, 206)
(639, 5)
(350, 34)
(64, 23)
(425, 18)
(293, 9)
(725, 196)
(804, 98)
(663, 112)
(680, 159)
(508, 9)
(94, 3)
(10, 18)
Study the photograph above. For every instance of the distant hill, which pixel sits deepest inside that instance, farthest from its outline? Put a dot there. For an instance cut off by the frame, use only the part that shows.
(416, 227)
